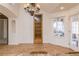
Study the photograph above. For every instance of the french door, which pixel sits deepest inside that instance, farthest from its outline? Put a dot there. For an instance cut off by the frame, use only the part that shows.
(74, 42)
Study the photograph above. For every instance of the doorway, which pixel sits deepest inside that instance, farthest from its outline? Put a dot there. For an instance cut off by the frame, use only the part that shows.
(38, 29)
(3, 29)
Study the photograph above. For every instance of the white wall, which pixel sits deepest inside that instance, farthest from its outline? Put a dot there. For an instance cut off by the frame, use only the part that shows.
(11, 34)
(45, 26)
(24, 27)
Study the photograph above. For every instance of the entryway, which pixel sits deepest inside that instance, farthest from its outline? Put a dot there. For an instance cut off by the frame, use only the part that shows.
(38, 29)
(3, 29)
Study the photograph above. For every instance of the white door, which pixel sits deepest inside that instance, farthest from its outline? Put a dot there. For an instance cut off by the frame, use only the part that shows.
(74, 42)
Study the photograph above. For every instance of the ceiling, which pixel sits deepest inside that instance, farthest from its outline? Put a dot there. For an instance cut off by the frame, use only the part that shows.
(55, 7)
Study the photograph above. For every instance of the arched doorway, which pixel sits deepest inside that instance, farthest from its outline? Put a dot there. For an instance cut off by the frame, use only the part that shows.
(3, 29)
(9, 15)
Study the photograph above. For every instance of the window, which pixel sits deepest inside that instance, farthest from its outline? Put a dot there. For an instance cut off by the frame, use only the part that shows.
(59, 26)
(74, 27)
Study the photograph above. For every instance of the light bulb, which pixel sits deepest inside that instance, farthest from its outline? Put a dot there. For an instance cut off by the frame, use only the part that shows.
(62, 8)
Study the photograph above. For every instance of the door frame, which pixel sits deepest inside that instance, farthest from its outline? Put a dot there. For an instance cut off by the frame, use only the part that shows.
(41, 28)
(7, 30)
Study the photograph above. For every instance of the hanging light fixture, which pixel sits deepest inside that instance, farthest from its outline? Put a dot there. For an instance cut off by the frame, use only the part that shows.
(32, 8)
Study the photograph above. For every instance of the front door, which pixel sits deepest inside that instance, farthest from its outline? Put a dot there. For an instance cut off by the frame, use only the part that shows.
(38, 29)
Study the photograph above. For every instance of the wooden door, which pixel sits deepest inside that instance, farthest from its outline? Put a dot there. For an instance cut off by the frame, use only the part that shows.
(38, 29)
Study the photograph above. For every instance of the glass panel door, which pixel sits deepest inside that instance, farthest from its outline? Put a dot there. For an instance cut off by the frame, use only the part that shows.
(74, 32)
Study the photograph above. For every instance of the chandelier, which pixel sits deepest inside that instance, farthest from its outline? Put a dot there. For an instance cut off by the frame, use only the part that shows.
(32, 8)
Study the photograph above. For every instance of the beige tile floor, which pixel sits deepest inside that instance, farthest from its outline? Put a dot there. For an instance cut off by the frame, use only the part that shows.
(26, 49)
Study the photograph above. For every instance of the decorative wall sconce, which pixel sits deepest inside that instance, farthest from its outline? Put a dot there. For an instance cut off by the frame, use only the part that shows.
(32, 8)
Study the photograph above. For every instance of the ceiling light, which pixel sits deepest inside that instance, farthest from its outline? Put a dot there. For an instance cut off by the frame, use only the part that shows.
(32, 8)
(62, 8)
